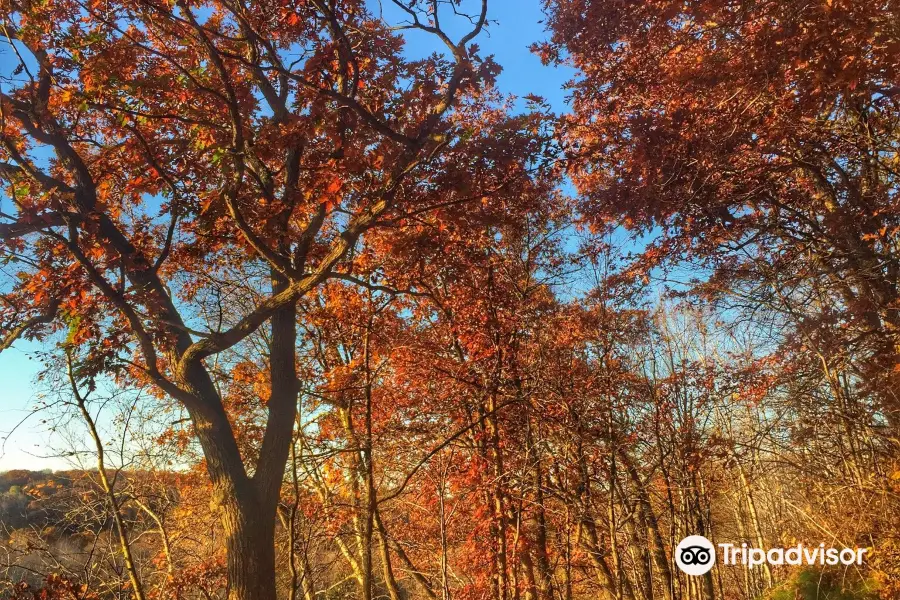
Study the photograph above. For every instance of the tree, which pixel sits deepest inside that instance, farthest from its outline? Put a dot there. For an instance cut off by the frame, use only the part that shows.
(759, 140)
(150, 146)
(326, 322)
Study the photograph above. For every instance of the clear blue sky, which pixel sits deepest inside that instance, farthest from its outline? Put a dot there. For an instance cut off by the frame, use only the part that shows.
(515, 24)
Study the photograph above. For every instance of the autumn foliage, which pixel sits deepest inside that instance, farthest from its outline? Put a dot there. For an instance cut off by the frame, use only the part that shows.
(321, 320)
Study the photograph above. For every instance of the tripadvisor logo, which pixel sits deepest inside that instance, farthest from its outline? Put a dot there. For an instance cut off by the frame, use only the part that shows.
(695, 555)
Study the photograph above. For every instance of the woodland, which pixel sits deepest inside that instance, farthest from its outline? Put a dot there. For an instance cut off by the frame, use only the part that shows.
(318, 320)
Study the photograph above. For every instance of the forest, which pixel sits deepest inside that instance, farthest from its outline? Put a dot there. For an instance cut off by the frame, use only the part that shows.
(318, 319)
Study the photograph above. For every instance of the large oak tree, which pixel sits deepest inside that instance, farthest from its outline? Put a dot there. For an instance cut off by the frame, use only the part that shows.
(149, 146)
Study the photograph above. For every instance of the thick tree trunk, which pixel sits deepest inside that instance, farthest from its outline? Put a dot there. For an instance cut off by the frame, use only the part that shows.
(248, 506)
(250, 546)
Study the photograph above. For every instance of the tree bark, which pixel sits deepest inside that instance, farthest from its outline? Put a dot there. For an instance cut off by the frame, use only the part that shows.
(249, 505)
(658, 548)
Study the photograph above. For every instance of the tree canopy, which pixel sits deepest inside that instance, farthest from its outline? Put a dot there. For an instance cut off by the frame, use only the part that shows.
(322, 320)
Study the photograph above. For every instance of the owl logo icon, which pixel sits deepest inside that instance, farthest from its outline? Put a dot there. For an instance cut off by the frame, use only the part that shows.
(695, 555)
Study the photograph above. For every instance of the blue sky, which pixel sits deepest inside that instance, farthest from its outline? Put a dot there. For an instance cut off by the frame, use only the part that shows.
(515, 25)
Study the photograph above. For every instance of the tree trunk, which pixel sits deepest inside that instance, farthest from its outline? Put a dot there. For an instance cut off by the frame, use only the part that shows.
(250, 546)
(590, 542)
(658, 548)
(249, 505)
(754, 521)
(496, 501)
(538, 525)
(108, 489)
